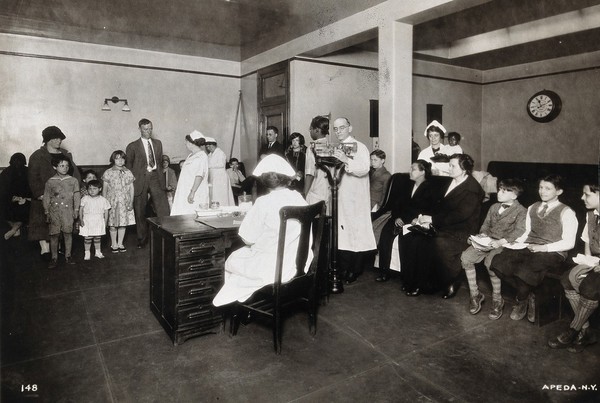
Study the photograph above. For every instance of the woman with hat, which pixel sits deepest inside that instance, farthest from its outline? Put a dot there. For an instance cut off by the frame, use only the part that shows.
(192, 187)
(253, 266)
(40, 170)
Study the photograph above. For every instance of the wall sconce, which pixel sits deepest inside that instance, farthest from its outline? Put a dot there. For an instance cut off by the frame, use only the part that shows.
(114, 100)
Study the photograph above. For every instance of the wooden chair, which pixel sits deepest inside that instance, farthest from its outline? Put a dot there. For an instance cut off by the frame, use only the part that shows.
(271, 301)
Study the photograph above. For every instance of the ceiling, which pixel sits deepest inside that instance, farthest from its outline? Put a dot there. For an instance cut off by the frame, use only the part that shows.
(483, 34)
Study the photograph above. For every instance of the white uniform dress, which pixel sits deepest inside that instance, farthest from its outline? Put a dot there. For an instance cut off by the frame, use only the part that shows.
(253, 266)
(195, 165)
(218, 178)
(355, 230)
(93, 215)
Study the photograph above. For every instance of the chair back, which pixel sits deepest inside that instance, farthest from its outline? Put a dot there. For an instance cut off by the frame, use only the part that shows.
(306, 216)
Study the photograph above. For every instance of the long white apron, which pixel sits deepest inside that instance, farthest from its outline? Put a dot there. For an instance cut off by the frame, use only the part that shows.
(218, 178)
(194, 165)
(355, 230)
(253, 266)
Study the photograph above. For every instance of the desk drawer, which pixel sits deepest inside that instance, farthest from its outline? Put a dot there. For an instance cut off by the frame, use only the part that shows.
(206, 266)
(200, 247)
(206, 287)
(201, 314)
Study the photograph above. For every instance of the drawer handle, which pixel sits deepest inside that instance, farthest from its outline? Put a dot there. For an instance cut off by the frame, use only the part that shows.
(201, 265)
(195, 291)
(197, 314)
(200, 248)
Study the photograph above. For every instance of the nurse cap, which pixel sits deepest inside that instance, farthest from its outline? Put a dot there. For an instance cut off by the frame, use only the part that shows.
(274, 163)
(435, 123)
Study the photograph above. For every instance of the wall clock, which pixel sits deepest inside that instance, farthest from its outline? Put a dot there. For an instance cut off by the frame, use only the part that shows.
(544, 106)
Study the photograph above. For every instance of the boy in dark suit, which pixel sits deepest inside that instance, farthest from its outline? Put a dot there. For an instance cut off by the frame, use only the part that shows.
(144, 159)
(504, 223)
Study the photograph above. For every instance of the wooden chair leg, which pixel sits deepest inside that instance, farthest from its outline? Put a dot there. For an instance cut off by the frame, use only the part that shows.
(277, 328)
(234, 322)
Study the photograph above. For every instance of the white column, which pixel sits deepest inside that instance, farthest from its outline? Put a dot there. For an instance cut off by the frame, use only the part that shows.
(395, 94)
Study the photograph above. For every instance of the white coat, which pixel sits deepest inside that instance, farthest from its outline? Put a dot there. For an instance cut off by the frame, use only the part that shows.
(253, 266)
(355, 230)
(194, 165)
(218, 179)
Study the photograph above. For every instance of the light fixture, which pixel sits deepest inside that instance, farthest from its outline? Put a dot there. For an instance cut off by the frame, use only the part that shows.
(115, 100)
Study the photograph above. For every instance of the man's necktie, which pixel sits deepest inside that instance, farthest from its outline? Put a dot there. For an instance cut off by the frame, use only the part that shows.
(544, 209)
(151, 161)
(505, 206)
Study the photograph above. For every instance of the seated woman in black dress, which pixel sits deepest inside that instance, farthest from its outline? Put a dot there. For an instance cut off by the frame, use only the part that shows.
(413, 199)
(15, 195)
(455, 218)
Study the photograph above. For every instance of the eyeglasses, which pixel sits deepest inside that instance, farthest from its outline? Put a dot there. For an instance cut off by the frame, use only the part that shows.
(340, 129)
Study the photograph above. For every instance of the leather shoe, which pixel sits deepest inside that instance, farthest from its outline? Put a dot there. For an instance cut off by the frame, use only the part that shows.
(450, 291)
(585, 338)
(383, 277)
(563, 340)
(141, 243)
(414, 293)
(351, 278)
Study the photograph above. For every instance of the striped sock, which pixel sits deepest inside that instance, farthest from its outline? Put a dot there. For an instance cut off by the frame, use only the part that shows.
(586, 308)
(472, 279)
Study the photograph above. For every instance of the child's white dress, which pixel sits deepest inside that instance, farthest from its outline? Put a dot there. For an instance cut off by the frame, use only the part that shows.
(93, 215)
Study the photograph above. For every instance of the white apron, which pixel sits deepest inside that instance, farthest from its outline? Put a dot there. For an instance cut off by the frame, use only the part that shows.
(219, 180)
(355, 230)
(253, 266)
(194, 165)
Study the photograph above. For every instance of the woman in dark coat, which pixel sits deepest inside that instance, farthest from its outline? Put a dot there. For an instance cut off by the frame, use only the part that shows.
(414, 198)
(296, 156)
(455, 218)
(15, 196)
(40, 170)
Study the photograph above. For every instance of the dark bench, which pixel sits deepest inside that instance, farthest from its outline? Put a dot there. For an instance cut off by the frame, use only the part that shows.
(550, 301)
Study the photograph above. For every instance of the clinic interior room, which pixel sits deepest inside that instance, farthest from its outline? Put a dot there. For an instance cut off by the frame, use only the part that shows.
(94, 332)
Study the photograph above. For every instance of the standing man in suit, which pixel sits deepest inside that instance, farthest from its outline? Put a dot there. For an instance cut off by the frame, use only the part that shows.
(272, 146)
(144, 157)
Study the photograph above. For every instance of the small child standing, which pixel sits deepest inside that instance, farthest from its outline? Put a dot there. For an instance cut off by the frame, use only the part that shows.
(87, 176)
(118, 190)
(93, 217)
(453, 146)
(61, 205)
(504, 223)
(550, 232)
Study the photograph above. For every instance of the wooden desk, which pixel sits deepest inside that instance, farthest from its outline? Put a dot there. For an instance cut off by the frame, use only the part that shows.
(186, 271)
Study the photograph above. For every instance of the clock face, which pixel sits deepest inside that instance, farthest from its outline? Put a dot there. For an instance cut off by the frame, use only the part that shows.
(544, 106)
(541, 106)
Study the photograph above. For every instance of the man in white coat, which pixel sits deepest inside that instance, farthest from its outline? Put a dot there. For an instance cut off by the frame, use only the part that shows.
(355, 231)
(217, 174)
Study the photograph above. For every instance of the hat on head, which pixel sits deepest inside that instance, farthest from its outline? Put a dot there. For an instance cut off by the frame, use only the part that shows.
(52, 132)
(166, 158)
(435, 123)
(210, 140)
(274, 163)
(195, 135)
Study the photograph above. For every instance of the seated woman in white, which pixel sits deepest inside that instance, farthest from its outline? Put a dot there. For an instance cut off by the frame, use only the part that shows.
(253, 266)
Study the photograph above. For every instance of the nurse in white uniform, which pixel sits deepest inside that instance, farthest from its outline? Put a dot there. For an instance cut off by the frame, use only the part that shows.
(253, 266)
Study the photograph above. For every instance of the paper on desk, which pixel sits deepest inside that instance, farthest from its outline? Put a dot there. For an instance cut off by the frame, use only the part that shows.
(481, 242)
(586, 260)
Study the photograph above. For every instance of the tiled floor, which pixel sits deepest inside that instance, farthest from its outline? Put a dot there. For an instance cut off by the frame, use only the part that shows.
(85, 333)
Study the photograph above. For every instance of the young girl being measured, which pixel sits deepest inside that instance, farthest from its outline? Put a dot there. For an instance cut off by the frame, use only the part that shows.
(118, 190)
(93, 216)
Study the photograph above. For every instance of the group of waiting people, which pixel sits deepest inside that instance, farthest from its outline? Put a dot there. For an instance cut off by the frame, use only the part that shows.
(520, 245)
(54, 199)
